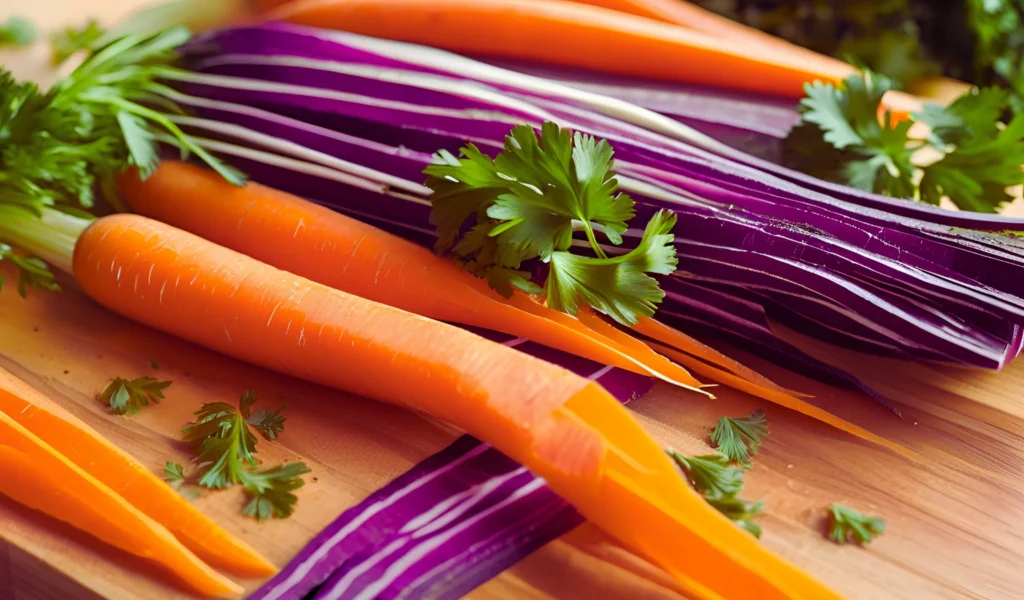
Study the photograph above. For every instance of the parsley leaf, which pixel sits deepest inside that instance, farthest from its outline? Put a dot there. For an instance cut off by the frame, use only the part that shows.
(271, 490)
(225, 445)
(174, 474)
(494, 215)
(125, 397)
(32, 272)
(720, 483)
(846, 524)
(617, 286)
(739, 439)
(17, 31)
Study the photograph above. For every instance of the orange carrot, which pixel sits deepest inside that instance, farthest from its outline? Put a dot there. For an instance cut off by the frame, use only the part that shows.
(542, 30)
(566, 429)
(110, 465)
(34, 474)
(346, 254)
(315, 242)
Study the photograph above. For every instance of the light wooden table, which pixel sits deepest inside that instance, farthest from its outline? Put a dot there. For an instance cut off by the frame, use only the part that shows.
(956, 523)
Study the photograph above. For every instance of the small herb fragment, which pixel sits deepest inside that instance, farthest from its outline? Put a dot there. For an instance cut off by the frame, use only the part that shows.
(124, 396)
(526, 204)
(17, 31)
(846, 524)
(32, 272)
(720, 482)
(225, 445)
(739, 439)
(841, 138)
(174, 475)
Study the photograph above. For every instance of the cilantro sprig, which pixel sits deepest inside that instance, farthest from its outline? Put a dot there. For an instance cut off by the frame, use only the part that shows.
(846, 136)
(720, 482)
(739, 439)
(493, 215)
(125, 396)
(225, 446)
(846, 524)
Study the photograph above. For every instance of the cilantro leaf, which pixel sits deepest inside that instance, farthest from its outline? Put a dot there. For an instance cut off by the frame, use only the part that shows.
(17, 31)
(846, 524)
(174, 474)
(973, 116)
(739, 439)
(720, 483)
(617, 286)
(271, 490)
(32, 272)
(268, 422)
(124, 396)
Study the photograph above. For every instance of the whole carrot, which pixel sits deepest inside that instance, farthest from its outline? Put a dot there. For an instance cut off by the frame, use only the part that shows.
(565, 428)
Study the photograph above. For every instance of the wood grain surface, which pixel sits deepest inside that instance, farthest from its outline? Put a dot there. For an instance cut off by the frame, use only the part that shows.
(955, 517)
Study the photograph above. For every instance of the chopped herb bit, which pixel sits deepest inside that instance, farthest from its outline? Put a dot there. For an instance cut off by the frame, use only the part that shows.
(271, 490)
(174, 474)
(739, 439)
(841, 138)
(225, 445)
(720, 482)
(17, 31)
(846, 524)
(124, 396)
(32, 272)
(494, 215)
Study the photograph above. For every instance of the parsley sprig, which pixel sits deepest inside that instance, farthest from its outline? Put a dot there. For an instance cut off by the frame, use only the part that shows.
(125, 397)
(225, 445)
(720, 482)
(739, 439)
(841, 138)
(846, 524)
(526, 203)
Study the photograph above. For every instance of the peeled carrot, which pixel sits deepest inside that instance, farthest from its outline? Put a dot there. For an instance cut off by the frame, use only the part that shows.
(315, 242)
(110, 465)
(565, 428)
(34, 474)
(347, 254)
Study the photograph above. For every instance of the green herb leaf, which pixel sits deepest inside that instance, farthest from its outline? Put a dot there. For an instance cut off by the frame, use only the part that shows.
(32, 272)
(17, 31)
(494, 215)
(223, 441)
(846, 524)
(720, 482)
(739, 439)
(617, 286)
(174, 474)
(269, 423)
(271, 490)
(123, 396)
(67, 42)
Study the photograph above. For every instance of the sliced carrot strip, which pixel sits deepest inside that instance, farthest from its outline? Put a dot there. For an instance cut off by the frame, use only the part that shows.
(34, 474)
(95, 455)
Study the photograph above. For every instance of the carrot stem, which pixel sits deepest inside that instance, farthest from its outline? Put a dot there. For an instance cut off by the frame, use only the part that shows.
(50, 236)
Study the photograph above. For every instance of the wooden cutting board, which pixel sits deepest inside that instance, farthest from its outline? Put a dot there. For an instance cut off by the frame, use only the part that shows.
(956, 520)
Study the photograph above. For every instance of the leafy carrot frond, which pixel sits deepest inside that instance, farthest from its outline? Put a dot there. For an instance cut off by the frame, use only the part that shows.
(124, 396)
(739, 439)
(271, 490)
(268, 422)
(32, 272)
(846, 524)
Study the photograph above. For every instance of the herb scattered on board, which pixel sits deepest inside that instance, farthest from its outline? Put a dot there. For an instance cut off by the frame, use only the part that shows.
(846, 525)
(127, 397)
(739, 439)
(57, 148)
(494, 215)
(225, 446)
(174, 475)
(720, 482)
(17, 31)
(970, 157)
